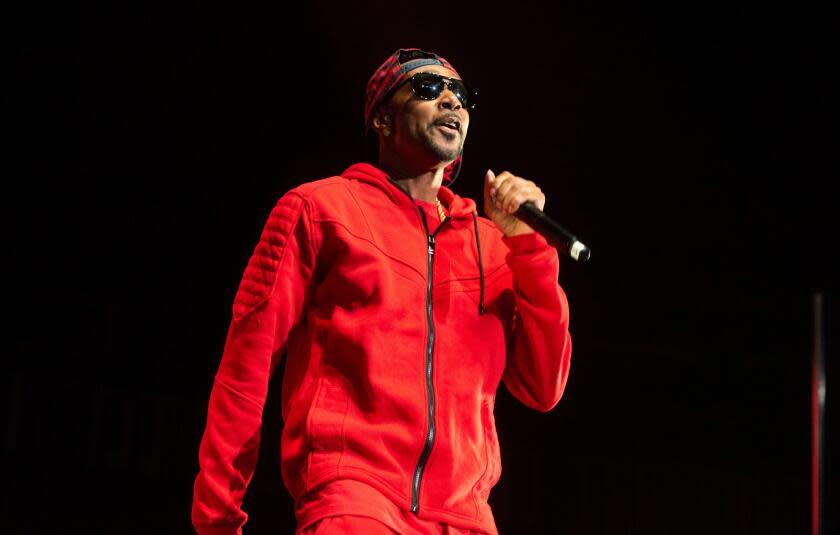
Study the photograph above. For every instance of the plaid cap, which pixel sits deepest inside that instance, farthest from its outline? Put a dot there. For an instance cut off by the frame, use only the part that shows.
(394, 70)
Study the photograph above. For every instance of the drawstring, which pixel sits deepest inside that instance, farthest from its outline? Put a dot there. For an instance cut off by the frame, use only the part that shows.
(480, 265)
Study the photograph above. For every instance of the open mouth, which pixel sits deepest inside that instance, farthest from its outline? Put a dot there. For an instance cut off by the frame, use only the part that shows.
(449, 124)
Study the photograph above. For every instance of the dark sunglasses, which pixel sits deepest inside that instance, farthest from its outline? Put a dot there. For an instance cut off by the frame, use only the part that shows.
(429, 86)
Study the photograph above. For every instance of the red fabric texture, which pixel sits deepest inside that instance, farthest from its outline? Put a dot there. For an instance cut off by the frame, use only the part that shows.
(339, 281)
(347, 524)
(372, 513)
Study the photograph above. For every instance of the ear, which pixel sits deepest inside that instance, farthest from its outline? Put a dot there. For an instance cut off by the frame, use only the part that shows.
(382, 122)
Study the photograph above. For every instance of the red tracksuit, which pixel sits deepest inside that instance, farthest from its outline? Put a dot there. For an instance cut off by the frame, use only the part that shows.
(396, 340)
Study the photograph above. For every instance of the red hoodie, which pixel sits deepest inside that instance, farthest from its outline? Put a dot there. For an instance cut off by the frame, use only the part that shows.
(396, 343)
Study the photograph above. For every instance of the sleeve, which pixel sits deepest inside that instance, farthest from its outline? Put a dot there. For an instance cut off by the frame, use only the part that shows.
(270, 300)
(539, 352)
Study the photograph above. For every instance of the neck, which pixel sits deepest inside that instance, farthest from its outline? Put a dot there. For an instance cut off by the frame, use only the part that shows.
(420, 183)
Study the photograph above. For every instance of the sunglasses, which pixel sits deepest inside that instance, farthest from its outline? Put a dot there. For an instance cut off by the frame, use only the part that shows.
(429, 86)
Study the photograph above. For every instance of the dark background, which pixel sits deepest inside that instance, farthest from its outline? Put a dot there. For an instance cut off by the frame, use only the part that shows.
(690, 145)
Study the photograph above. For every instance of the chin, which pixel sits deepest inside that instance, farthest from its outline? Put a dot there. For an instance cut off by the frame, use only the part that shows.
(445, 153)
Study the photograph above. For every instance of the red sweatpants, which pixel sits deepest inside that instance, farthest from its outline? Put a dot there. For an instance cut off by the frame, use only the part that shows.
(362, 525)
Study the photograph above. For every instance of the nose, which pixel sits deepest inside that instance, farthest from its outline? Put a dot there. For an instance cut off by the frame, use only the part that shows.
(449, 101)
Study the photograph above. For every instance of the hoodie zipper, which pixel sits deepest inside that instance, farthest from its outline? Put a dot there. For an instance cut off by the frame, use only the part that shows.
(430, 392)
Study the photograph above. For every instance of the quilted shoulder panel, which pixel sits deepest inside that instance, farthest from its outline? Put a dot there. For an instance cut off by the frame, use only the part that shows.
(261, 272)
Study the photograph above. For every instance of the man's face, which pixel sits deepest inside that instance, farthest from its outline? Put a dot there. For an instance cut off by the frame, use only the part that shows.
(427, 131)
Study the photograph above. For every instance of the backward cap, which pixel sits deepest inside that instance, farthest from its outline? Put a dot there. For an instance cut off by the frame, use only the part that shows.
(393, 71)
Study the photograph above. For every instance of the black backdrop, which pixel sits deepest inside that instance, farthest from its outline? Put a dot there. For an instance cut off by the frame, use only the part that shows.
(691, 146)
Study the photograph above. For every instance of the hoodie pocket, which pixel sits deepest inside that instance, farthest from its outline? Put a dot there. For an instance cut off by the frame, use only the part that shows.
(326, 424)
(493, 469)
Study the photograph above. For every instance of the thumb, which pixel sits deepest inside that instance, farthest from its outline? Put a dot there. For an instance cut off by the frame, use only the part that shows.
(489, 190)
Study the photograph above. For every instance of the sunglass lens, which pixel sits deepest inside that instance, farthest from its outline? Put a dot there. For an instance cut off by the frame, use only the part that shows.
(460, 91)
(427, 85)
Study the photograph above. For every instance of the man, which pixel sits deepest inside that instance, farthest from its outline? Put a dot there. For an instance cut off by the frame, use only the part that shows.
(400, 311)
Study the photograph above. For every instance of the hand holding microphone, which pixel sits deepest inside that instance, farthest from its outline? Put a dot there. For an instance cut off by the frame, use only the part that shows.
(515, 205)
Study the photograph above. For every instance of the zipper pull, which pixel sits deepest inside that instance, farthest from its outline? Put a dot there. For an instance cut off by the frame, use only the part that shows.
(431, 245)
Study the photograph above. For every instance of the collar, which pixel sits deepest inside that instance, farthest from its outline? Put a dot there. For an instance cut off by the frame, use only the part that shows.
(458, 207)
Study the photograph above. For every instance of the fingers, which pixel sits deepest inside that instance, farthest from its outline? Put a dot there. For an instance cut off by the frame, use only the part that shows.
(489, 192)
(507, 192)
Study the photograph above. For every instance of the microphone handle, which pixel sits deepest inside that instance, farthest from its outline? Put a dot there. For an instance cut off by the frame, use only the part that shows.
(553, 233)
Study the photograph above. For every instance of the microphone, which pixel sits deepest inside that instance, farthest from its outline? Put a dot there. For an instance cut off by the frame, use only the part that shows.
(553, 233)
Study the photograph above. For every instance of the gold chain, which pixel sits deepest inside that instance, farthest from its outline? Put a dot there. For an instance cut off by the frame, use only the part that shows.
(440, 210)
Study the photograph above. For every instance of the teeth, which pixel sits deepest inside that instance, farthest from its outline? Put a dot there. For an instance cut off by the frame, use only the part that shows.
(450, 124)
